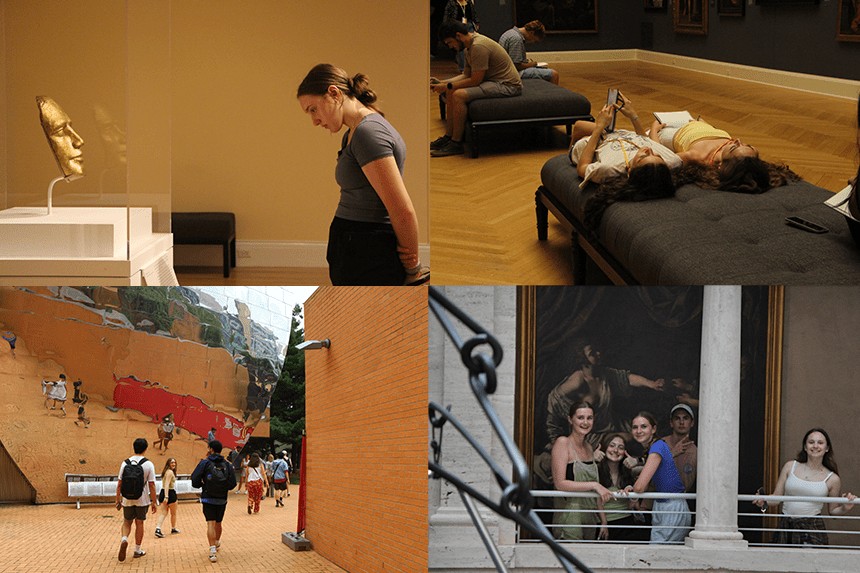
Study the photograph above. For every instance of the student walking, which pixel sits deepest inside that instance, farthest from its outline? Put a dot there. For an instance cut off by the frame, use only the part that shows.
(135, 491)
(281, 475)
(256, 483)
(168, 490)
(216, 477)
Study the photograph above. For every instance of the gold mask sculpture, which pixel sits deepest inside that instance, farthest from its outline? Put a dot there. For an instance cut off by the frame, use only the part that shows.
(64, 140)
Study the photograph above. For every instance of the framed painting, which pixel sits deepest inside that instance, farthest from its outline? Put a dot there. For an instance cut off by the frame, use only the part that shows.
(691, 17)
(648, 340)
(849, 21)
(656, 5)
(730, 7)
(559, 16)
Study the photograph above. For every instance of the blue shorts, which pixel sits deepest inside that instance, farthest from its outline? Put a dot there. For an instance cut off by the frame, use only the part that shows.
(537, 73)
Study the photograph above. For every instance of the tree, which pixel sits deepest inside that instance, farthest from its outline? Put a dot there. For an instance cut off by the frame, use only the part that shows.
(288, 402)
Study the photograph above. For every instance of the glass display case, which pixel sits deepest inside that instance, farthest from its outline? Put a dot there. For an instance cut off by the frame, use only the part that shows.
(106, 64)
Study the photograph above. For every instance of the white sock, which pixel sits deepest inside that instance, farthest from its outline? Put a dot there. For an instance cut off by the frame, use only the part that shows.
(137, 548)
(125, 537)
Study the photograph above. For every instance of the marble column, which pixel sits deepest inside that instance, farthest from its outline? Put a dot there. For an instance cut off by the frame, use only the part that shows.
(719, 422)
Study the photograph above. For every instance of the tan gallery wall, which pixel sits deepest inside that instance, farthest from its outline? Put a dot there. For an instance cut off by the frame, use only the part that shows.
(819, 381)
(238, 139)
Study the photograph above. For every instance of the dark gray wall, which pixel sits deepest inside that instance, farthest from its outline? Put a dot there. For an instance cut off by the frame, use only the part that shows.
(796, 38)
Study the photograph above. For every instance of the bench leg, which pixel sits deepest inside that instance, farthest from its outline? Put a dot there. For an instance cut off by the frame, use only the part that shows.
(578, 258)
(233, 253)
(542, 214)
(474, 132)
(226, 249)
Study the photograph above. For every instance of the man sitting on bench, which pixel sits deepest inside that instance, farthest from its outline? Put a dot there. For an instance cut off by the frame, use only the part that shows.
(489, 72)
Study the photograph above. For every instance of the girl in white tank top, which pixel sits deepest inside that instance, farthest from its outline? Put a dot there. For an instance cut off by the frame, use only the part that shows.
(812, 474)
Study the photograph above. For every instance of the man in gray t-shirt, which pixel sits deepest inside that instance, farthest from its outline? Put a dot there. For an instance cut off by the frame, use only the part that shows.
(489, 72)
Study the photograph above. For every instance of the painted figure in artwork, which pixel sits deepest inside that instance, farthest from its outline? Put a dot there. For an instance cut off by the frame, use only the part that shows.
(55, 390)
(165, 433)
(81, 400)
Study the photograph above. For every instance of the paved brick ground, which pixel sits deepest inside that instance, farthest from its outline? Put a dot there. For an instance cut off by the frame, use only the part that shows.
(62, 538)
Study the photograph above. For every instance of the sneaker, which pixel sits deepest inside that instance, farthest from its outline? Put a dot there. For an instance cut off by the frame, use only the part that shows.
(213, 557)
(174, 530)
(122, 549)
(450, 148)
(249, 510)
(140, 553)
(440, 142)
(158, 533)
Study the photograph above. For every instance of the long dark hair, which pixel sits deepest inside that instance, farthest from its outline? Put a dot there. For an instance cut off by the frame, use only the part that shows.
(167, 467)
(625, 476)
(828, 461)
(651, 420)
(321, 76)
(739, 175)
(649, 181)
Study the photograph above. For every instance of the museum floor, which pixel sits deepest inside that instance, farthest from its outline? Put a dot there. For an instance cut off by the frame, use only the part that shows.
(62, 538)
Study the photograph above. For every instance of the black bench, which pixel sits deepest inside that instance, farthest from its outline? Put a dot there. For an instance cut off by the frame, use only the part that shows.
(541, 104)
(207, 229)
(702, 236)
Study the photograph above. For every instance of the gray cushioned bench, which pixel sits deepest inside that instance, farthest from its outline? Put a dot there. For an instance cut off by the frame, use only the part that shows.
(541, 103)
(703, 236)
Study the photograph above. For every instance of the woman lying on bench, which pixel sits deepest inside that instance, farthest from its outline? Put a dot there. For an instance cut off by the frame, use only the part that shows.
(722, 162)
(628, 164)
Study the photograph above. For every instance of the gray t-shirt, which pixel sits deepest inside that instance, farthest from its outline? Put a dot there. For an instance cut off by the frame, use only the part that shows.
(374, 138)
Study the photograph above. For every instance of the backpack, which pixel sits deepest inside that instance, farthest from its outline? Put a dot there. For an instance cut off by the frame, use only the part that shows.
(132, 479)
(216, 480)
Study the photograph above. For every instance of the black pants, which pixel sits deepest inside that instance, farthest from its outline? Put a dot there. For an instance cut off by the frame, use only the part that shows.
(363, 254)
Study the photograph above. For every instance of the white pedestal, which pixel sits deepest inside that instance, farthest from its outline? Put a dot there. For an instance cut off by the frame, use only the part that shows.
(83, 246)
(88, 232)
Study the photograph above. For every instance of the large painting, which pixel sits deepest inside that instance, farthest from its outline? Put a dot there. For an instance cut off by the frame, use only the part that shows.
(691, 17)
(849, 21)
(649, 343)
(730, 7)
(656, 5)
(559, 16)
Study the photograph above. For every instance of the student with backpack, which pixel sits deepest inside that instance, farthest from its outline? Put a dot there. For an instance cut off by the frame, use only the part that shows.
(134, 492)
(281, 477)
(216, 477)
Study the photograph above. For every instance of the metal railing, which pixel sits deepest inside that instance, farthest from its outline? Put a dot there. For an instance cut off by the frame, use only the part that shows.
(770, 524)
(839, 526)
(549, 513)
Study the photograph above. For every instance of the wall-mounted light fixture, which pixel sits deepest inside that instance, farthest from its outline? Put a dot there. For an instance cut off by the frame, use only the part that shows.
(314, 344)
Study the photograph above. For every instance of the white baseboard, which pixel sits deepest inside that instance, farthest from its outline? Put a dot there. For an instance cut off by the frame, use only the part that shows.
(836, 87)
(309, 254)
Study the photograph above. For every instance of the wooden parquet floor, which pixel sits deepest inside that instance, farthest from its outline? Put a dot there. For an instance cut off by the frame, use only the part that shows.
(482, 218)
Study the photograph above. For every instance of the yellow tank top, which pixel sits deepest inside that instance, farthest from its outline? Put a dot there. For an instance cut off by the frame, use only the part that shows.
(696, 131)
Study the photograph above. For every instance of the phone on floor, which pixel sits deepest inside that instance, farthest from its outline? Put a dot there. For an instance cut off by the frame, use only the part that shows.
(805, 225)
(611, 98)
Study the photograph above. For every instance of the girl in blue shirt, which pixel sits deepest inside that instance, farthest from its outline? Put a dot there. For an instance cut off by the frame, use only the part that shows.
(671, 517)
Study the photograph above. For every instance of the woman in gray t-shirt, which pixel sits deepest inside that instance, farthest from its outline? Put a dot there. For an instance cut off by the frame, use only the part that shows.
(373, 239)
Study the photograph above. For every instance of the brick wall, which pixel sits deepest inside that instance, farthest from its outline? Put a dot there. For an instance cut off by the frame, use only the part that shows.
(366, 398)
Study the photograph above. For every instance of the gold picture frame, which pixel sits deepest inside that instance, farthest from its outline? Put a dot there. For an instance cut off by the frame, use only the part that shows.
(767, 394)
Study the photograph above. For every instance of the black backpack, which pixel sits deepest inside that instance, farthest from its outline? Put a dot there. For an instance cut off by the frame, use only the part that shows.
(132, 479)
(216, 481)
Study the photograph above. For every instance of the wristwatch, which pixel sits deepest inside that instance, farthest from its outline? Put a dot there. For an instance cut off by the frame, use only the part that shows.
(450, 86)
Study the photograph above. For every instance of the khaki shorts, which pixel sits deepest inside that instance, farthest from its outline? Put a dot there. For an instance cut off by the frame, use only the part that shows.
(492, 89)
(134, 512)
